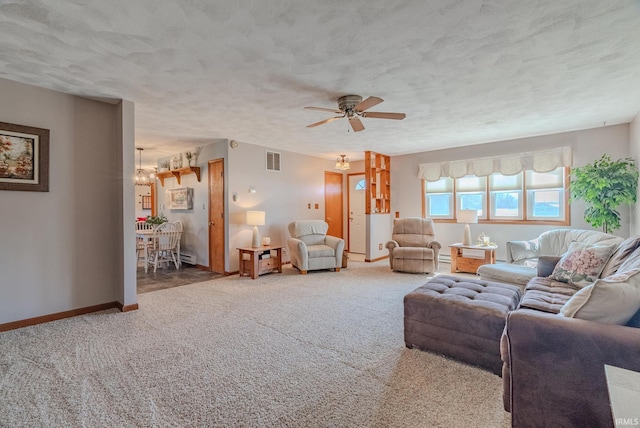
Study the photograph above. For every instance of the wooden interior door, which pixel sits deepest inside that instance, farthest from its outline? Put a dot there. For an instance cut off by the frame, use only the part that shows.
(154, 209)
(333, 211)
(216, 215)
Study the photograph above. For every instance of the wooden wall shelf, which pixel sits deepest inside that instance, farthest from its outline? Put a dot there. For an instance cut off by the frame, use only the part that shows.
(178, 173)
(377, 169)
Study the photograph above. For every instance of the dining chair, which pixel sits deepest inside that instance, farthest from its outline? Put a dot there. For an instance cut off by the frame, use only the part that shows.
(164, 245)
(141, 242)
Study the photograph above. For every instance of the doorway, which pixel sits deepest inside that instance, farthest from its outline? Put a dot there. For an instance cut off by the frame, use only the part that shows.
(357, 219)
(333, 208)
(216, 215)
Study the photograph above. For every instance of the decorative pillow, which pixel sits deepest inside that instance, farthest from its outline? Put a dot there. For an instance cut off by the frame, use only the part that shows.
(611, 300)
(582, 263)
(521, 250)
(621, 255)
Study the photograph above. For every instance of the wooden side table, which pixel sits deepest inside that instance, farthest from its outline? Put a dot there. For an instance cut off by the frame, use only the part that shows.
(254, 265)
(460, 263)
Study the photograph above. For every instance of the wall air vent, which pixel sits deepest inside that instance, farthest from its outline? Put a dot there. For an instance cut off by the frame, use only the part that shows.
(273, 161)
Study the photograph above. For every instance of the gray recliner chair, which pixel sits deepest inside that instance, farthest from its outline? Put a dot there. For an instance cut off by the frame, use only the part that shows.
(311, 248)
(413, 246)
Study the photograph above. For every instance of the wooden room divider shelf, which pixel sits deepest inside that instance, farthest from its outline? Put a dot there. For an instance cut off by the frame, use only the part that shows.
(377, 172)
(178, 173)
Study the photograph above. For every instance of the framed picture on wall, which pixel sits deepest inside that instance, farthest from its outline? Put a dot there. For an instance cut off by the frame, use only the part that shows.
(181, 198)
(24, 158)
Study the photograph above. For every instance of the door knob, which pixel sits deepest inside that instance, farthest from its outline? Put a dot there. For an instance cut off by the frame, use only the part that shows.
(328, 219)
(212, 223)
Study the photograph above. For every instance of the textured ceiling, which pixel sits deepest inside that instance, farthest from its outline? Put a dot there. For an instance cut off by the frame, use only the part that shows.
(464, 71)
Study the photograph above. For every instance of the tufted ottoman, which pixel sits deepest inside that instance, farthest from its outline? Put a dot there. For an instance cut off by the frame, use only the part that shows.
(460, 317)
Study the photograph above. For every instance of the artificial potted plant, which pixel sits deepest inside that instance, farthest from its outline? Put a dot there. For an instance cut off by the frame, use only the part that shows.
(156, 220)
(604, 185)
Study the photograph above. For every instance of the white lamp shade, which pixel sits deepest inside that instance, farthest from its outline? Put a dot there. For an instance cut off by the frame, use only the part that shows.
(467, 216)
(255, 218)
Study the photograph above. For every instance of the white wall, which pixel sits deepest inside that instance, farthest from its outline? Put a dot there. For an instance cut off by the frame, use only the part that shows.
(378, 233)
(587, 145)
(141, 191)
(634, 146)
(284, 196)
(63, 249)
(125, 138)
(195, 238)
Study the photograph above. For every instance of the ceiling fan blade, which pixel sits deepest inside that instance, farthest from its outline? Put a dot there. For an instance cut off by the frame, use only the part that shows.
(368, 103)
(332, 110)
(381, 115)
(356, 124)
(322, 122)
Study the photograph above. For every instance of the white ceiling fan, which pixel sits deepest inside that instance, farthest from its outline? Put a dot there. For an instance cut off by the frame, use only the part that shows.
(353, 108)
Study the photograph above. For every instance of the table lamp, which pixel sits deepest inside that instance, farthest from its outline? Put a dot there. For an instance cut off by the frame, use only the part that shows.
(467, 217)
(255, 219)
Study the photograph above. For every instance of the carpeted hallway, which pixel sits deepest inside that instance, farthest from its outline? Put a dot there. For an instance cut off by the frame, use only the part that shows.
(286, 350)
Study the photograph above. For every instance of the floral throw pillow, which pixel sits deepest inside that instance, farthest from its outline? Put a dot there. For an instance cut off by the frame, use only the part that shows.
(582, 263)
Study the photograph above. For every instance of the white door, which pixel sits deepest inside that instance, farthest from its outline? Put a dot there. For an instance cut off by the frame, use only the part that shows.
(357, 220)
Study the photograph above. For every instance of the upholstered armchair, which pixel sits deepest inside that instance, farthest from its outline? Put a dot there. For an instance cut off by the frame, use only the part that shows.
(310, 248)
(413, 247)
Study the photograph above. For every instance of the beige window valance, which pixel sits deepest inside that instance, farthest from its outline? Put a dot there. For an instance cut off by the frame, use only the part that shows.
(539, 161)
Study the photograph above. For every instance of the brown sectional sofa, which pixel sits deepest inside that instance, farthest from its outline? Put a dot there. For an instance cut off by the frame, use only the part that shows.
(553, 365)
(555, 342)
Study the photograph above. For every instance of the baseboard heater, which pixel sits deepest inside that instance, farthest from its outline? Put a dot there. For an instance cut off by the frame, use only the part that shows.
(188, 258)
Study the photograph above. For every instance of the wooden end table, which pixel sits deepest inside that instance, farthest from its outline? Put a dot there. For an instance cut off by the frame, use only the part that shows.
(254, 265)
(459, 263)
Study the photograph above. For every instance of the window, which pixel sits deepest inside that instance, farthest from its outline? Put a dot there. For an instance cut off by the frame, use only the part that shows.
(506, 196)
(545, 193)
(360, 185)
(470, 194)
(439, 198)
(528, 196)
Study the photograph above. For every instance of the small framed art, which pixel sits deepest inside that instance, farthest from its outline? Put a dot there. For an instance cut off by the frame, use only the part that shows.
(181, 198)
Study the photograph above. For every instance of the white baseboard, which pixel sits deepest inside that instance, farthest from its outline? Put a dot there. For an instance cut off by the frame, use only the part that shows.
(188, 258)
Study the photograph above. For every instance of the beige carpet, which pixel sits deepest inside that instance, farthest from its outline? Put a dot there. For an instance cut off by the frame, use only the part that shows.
(286, 350)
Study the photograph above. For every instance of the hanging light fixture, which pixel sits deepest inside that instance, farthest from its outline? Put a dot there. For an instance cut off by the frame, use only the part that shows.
(141, 176)
(342, 163)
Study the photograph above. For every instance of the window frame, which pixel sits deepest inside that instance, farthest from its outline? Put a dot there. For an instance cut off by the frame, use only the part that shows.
(452, 202)
(521, 203)
(524, 207)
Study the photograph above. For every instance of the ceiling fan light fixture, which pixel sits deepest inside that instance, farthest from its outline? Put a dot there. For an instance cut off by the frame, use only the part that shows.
(342, 163)
(353, 107)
